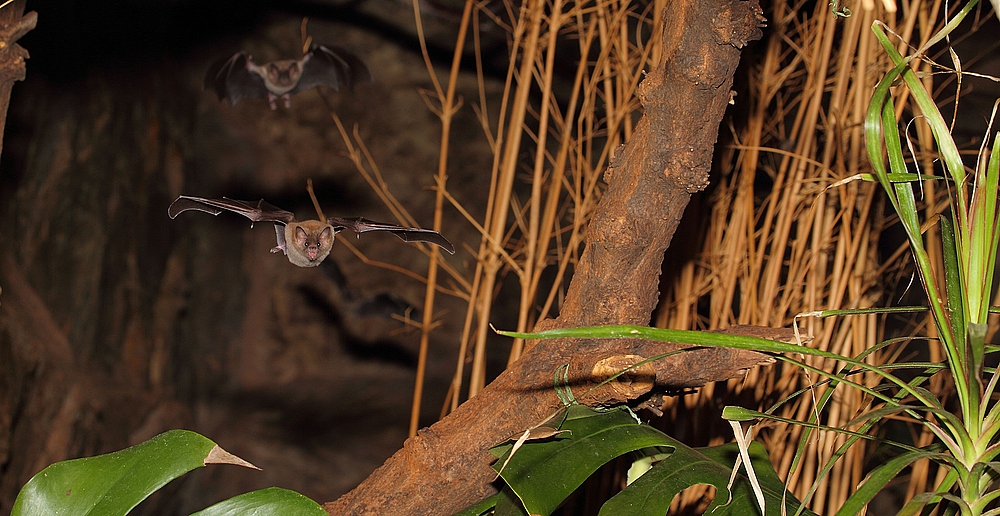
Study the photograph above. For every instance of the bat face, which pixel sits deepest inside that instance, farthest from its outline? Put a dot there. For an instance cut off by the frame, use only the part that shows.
(281, 76)
(238, 77)
(308, 243)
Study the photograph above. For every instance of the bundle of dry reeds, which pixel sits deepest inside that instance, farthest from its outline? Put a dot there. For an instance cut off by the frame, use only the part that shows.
(783, 231)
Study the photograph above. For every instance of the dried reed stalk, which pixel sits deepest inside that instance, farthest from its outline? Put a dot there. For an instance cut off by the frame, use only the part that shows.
(571, 137)
(804, 243)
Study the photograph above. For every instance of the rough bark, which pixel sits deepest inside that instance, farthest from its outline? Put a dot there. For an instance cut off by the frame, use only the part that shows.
(13, 25)
(446, 466)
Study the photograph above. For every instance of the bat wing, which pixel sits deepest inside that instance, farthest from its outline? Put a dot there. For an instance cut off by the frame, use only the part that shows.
(231, 79)
(256, 211)
(333, 67)
(360, 225)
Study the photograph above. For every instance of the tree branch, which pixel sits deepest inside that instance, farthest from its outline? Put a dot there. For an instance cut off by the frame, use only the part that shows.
(445, 467)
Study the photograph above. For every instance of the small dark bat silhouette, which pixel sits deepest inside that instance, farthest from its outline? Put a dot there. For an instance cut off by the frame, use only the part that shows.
(238, 77)
(306, 243)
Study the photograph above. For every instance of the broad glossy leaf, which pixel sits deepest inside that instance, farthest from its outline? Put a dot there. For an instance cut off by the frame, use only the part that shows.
(652, 493)
(480, 508)
(508, 504)
(544, 473)
(114, 483)
(273, 500)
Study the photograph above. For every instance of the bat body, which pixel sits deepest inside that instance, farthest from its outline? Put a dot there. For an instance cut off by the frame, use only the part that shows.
(305, 243)
(238, 77)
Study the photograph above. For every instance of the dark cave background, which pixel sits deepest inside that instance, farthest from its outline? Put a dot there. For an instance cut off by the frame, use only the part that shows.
(117, 323)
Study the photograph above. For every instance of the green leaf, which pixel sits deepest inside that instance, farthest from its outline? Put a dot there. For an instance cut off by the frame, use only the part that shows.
(985, 236)
(877, 479)
(954, 288)
(273, 500)
(735, 413)
(480, 508)
(114, 483)
(508, 504)
(543, 474)
(652, 493)
(700, 338)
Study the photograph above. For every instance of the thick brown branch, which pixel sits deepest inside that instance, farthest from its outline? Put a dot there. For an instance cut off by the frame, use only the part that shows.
(446, 467)
(651, 181)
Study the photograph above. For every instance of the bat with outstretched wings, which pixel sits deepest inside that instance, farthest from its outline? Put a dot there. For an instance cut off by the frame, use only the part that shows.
(306, 243)
(238, 77)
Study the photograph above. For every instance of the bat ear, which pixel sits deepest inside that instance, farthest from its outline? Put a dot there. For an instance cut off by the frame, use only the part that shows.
(300, 236)
(326, 237)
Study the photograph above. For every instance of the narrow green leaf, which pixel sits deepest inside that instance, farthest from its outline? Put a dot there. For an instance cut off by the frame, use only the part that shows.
(900, 178)
(734, 413)
(877, 479)
(272, 500)
(868, 311)
(917, 504)
(988, 228)
(954, 289)
(480, 508)
(508, 504)
(982, 236)
(700, 338)
(888, 411)
(745, 414)
(975, 341)
(880, 128)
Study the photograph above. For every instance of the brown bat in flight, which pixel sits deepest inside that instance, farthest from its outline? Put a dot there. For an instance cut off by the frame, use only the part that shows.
(238, 77)
(306, 243)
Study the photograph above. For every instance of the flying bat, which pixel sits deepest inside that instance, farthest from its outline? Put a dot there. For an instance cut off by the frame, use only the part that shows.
(238, 77)
(306, 243)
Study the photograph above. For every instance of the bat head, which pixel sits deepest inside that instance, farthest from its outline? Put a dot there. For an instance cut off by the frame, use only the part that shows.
(284, 74)
(315, 245)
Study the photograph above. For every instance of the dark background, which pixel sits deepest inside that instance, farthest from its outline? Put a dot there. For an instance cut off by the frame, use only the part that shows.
(117, 323)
